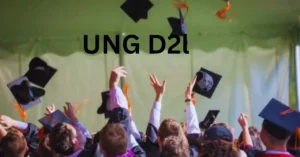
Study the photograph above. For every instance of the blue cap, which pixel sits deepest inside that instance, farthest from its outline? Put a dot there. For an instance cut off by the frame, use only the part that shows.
(218, 133)
(280, 120)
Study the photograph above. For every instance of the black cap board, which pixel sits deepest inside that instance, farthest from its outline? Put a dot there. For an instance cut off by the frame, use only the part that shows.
(137, 9)
(279, 119)
(209, 119)
(40, 72)
(177, 25)
(206, 83)
(25, 94)
(103, 109)
(49, 121)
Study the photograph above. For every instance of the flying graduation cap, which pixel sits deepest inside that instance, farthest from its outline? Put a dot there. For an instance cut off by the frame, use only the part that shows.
(104, 108)
(137, 9)
(280, 120)
(25, 94)
(39, 72)
(206, 82)
(209, 119)
(178, 24)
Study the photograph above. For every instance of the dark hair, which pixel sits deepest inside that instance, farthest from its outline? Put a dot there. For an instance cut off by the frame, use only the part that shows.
(173, 147)
(14, 144)
(293, 142)
(113, 139)
(216, 148)
(255, 137)
(96, 138)
(44, 148)
(60, 139)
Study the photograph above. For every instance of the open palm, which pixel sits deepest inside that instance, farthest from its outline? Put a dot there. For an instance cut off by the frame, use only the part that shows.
(158, 87)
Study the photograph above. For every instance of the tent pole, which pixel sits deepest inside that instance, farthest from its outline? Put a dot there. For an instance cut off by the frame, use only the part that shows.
(121, 55)
(297, 67)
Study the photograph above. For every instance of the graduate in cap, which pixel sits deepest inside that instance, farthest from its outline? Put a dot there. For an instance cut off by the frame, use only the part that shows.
(117, 109)
(280, 122)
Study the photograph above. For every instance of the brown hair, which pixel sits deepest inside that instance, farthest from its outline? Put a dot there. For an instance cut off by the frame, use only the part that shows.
(14, 144)
(173, 147)
(217, 148)
(170, 127)
(113, 139)
(255, 137)
(44, 148)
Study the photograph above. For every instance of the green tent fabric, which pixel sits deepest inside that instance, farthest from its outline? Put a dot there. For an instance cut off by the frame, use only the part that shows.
(252, 51)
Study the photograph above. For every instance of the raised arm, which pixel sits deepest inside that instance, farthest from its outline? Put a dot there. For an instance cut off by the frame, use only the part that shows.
(117, 97)
(247, 142)
(159, 89)
(192, 122)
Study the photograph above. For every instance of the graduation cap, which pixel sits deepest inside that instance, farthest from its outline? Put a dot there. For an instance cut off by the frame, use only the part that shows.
(25, 94)
(209, 119)
(39, 72)
(49, 121)
(206, 82)
(279, 119)
(177, 25)
(137, 9)
(103, 109)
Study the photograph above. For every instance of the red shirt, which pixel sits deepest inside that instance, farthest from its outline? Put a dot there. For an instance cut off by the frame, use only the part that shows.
(275, 155)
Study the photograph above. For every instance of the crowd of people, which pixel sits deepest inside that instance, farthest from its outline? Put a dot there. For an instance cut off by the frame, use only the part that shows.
(121, 138)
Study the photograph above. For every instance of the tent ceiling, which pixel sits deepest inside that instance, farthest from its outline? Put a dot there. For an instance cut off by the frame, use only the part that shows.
(56, 18)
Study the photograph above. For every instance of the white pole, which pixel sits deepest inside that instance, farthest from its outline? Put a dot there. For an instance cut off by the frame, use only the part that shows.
(297, 68)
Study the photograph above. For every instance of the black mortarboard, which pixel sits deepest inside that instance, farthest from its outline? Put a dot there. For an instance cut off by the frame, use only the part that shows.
(52, 119)
(26, 95)
(103, 109)
(39, 72)
(209, 119)
(137, 9)
(177, 25)
(206, 83)
(279, 119)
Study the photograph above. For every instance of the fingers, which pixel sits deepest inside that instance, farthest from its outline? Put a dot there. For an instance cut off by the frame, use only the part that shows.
(152, 80)
(194, 81)
(156, 80)
(164, 83)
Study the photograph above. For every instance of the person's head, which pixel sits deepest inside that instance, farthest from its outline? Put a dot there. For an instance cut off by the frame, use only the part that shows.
(224, 125)
(14, 144)
(217, 148)
(255, 137)
(218, 133)
(65, 139)
(113, 140)
(44, 148)
(170, 127)
(273, 136)
(174, 147)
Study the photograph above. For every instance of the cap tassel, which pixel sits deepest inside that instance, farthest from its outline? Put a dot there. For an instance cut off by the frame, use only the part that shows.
(222, 12)
(21, 112)
(41, 133)
(178, 4)
(125, 90)
(79, 106)
(290, 110)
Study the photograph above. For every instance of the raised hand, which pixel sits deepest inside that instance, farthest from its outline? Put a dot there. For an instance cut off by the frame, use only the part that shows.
(158, 87)
(189, 88)
(243, 121)
(116, 75)
(70, 112)
(50, 109)
(7, 122)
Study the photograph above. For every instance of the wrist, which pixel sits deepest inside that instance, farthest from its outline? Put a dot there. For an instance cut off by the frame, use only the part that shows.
(245, 128)
(158, 97)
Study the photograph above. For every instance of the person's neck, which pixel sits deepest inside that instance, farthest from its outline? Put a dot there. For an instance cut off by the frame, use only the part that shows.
(276, 148)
